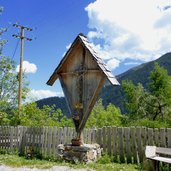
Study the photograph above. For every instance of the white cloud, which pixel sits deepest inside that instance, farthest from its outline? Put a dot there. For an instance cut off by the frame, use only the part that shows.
(134, 29)
(132, 63)
(28, 67)
(113, 63)
(40, 94)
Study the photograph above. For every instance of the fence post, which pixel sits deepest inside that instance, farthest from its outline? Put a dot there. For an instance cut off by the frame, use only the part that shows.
(162, 137)
(127, 144)
(134, 144)
(121, 144)
(169, 137)
(109, 149)
(22, 140)
(104, 139)
(150, 136)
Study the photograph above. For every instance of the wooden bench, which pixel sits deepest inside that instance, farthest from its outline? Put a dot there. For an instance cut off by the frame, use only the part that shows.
(157, 155)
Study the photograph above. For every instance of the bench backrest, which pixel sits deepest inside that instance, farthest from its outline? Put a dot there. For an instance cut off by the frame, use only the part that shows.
(162, 150)
(152, 151)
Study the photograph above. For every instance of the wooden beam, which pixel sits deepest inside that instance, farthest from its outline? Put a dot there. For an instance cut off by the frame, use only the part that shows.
(92, 102)
(67, 96)
(79, 72)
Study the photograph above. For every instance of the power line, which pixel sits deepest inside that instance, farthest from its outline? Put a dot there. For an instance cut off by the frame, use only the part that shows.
(16, 47)
(22, 38)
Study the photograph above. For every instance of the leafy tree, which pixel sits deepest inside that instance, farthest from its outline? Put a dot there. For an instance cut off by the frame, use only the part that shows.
(100, 116)
(160, 89)
(8, 82)
(133, 98)
(47, 116)
(4, 118)
(154, 103)
(9, 85)
(2, 30)
(8, 78)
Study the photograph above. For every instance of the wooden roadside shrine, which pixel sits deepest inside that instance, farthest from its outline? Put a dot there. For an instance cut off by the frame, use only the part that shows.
(82, 74)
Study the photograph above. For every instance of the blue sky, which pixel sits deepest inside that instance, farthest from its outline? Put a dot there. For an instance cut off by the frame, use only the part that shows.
(126, 33)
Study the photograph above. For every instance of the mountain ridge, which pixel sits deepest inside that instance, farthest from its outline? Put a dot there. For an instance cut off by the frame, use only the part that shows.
(114, 94)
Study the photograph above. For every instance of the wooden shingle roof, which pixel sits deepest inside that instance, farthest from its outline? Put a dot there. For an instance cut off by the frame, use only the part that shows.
(96, 57)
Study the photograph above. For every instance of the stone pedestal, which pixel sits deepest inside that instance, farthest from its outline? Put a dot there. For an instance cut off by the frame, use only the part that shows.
(85, 153)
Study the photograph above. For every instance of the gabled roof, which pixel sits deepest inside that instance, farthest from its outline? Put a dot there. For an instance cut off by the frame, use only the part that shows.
(87, 45)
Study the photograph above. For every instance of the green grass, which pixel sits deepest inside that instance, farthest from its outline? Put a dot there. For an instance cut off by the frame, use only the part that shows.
(16, 161)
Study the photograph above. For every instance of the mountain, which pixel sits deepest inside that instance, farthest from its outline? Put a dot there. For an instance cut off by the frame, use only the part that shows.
(139, 74)
(114, 95)
(59, 103)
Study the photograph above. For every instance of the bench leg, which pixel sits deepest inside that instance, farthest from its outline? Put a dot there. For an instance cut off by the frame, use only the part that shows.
(156, 165)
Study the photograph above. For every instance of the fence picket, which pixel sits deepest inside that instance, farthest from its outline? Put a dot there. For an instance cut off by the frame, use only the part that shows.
(109, 140)
(169, 137)
(163, 137)
(54, 142)
(99, 136)
(139, 143)
(43, 141)
(121, 143)
(150, 136)
(104, 138)
(49, 141)
(156, 137)
(114, 144)
(127, 144)
(134, 144)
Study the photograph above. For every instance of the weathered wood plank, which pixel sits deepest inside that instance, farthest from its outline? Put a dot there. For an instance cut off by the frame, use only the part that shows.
(127, 144)
(54, 145)
(169, 137)
(94, 135)
(40, 133)
(22, 140)
(121, 144)
(11, 138)
(49, 140)
(156, 137)
(109, 140)
(60, 136)
(162, 137)
(150, 137)
(46, 142)
(43, 142)
(139, 143)
(114, 144)
(104, 139)
(89, 136)
(99, 137)
(134, 144)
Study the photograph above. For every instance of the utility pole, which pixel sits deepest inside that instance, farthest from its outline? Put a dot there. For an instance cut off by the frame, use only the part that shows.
(22, 38)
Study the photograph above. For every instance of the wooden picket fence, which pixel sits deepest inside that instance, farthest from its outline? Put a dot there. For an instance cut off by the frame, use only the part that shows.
(125, 144)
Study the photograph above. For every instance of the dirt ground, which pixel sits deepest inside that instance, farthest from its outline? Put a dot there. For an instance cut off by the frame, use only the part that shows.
(55, 168)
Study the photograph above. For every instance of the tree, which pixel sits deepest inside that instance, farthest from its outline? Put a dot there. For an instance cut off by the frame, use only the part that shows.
(99, 117)
(2, 30)
(160, 90)
(9, 84)
(8, 81)
(133, 98)
(154, 103)
(47, 116)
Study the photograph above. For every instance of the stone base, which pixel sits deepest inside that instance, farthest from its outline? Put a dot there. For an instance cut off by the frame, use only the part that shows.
(85, 153)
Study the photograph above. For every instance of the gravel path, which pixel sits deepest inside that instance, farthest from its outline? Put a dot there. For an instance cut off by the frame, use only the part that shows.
(55, 168)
